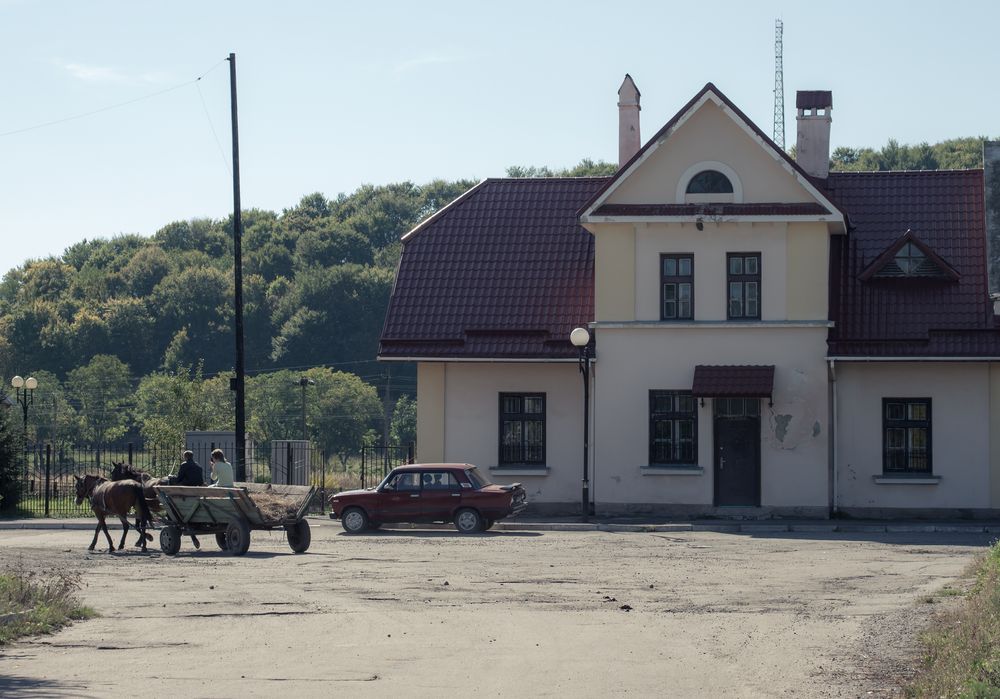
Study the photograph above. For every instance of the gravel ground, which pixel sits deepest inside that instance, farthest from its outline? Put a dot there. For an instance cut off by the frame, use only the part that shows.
(537, 613)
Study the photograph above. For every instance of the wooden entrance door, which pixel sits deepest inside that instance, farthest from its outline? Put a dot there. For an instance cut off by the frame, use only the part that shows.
(737, 451)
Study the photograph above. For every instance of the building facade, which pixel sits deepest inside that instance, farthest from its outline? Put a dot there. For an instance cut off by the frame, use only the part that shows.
(770, 338)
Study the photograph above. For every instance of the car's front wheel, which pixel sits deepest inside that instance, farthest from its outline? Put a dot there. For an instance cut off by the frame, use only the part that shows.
(354, 520)
(468, 521)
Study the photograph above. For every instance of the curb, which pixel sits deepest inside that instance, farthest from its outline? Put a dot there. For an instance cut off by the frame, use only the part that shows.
(613, 527)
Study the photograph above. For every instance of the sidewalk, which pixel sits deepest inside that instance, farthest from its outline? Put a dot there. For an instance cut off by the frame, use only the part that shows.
(613, 524)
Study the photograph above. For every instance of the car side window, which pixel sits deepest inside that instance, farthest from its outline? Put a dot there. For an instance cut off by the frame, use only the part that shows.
(404, 482)
(440, 480)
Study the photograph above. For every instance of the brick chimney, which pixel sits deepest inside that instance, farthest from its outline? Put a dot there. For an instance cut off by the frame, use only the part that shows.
(629, 141)
(991, 176)
(812, 147)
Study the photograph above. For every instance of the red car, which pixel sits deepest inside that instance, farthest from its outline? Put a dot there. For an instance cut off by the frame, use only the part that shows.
(456, 493)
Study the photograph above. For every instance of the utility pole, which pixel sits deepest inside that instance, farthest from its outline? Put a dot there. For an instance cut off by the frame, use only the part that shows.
(240, 381)
(303, 382)
(387, 406)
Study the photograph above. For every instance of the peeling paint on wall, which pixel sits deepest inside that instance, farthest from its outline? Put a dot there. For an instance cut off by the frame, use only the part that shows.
(781, 426)
(793, 421)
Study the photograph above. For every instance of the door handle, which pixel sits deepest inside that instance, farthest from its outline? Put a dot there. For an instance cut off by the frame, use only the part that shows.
(415, 495)
(722, 462)
(456, 495)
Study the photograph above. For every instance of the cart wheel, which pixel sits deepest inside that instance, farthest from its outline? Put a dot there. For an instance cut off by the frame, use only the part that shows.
(220, 539)
(170, 540)
(299, 536)
(238, 537)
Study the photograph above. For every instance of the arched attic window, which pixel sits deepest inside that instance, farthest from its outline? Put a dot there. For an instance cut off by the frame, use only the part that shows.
(709, 182)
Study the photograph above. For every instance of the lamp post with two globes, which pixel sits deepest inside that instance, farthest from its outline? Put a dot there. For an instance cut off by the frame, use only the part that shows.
(25, 390)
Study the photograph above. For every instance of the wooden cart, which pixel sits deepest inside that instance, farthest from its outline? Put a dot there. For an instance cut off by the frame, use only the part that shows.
(230, 514)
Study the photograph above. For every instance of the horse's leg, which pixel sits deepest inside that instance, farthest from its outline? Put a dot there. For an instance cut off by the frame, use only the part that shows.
(97, 532)
(124, 519)
(104, 527)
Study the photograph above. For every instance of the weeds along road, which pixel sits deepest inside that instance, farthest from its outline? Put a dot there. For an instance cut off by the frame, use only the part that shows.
(431, 613)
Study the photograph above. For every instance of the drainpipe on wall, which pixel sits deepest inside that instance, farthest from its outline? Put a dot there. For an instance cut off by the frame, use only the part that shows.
(833, 437)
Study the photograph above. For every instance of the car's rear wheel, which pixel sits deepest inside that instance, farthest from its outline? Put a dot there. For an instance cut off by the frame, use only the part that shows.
(468, 521)
(354, 520)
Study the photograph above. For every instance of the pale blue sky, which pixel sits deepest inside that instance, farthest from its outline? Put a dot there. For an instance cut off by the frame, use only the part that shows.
(333, 95)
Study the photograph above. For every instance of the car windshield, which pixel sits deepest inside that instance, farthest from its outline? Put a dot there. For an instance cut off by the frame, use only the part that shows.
(477, 479)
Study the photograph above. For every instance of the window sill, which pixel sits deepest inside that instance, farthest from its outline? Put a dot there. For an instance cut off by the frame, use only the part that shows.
(672, 470)
(904, 479)
(519, 470)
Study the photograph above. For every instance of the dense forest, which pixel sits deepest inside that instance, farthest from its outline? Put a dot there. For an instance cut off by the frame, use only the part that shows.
(132, 336)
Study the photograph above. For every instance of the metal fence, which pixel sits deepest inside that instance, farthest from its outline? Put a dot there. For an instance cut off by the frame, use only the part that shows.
(47, 485)
(378, 460)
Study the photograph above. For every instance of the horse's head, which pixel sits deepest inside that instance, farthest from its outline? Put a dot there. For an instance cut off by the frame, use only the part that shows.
(85, 486)
(123, 471)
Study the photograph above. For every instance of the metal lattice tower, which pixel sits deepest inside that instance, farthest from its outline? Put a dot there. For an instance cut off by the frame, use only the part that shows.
(779, 87)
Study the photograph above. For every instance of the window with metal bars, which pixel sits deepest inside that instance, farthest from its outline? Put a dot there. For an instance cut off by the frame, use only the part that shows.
(906, 435)
(673, 428)
(522, 429)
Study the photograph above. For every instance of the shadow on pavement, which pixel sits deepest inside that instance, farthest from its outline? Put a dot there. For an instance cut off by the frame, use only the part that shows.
(16, 687)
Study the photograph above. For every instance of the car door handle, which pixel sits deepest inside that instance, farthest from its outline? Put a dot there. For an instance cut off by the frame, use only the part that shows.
(414, 495)
(456, 495)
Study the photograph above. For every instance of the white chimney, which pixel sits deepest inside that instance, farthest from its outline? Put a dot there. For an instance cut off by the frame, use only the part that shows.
(812, 148)
(629, 141)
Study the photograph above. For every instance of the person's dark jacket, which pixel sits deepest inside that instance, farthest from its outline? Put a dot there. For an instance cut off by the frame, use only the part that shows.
(190, 473)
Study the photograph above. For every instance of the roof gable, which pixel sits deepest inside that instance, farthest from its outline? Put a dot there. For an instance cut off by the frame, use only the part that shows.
(908, 257)
(710, 130)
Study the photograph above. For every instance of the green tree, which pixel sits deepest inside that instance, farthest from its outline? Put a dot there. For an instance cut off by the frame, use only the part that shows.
(403, 429)
(102, 391)
(585, 168)
(55, 419)
(345, 408)
(9, 462)
(170, 404)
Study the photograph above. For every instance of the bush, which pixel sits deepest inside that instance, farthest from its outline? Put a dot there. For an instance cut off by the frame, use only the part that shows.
(32, 603)
(9, 490)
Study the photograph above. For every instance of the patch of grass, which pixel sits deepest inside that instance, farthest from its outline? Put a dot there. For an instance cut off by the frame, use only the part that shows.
(33, 603)
(962, 651)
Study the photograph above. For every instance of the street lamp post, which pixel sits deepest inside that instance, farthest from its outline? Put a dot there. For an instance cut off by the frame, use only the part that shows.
(303, 382)
(25, 390)
(581, 340)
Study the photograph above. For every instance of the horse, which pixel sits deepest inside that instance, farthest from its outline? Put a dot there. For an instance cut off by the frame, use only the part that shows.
(116, 498)
(125, 471)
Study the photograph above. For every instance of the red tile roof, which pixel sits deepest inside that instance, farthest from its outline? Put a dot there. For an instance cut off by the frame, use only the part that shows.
(911, 317)
(505, 271)
(732, 381)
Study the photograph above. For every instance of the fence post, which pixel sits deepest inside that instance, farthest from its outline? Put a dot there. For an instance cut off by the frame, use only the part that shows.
(289, 465)
(48, 480)
(130, 462)
(322, 490)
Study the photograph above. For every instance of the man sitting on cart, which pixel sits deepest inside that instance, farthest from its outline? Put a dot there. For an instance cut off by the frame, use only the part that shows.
(189, 473)
(222, 470)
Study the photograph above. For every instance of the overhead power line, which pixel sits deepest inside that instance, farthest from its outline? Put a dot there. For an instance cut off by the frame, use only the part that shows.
(63, 120)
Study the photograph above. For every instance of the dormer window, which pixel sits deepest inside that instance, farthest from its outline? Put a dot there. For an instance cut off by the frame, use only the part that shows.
(910, 260)
(709, 182)
(908, 257)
